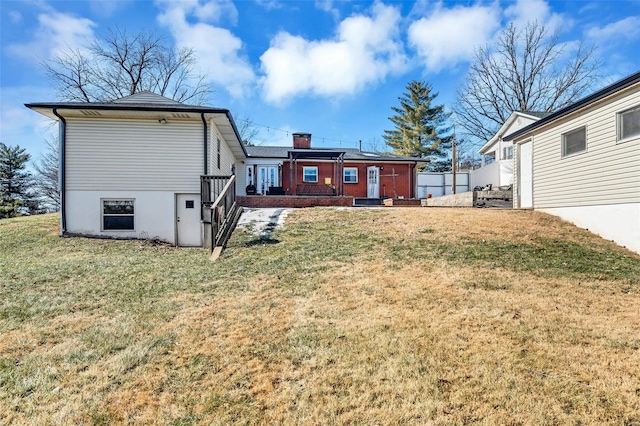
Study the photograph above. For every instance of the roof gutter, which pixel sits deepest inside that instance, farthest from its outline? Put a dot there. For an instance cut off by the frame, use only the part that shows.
(584, 102)
(235, 130)
(62, 177)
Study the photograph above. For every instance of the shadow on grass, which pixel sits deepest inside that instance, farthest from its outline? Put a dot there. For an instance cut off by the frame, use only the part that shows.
(261, 241)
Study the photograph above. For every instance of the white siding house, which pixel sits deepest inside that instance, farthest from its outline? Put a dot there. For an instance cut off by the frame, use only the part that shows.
(497, 153)
(582, 163)
(131, 168)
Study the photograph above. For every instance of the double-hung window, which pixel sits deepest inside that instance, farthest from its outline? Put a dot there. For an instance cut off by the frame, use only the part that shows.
(310, 174)
(574, 142)
(507, 152)
(629, 124)
(350, 175)
(117, 215)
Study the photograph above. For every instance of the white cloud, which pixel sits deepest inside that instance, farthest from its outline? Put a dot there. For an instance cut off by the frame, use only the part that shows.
(204, 10)
(525, 11)
(449, 36)
(21, 126)
(624, 29)
(218, 50)
(364, 51)
(15, 17)
(56, 33)
(327, 6)
(270, 4)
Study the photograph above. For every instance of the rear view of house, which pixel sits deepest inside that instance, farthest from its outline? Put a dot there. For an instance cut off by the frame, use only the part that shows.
(582, 163)
(132, 168)
(301, 170)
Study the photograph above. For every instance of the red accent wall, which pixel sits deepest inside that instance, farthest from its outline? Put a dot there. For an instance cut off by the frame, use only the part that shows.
(404, 179)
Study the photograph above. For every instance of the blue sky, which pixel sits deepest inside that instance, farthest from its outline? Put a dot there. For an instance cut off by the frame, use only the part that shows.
(330, 68)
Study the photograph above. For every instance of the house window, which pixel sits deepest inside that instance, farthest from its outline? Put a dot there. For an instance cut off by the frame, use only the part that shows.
(310, 174)
(507, 152)
(629, 124)
(351, 175)
(218, 153)
(117, 215)
(574, 142)
(489, 158)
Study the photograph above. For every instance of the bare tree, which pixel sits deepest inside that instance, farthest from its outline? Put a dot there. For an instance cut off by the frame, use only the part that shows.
(529, 70)
(120, 64)
(46, 185)
(248, 130)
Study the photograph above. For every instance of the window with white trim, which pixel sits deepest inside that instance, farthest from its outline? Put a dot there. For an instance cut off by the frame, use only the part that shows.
(574, 142)
(310, 174)
(629, 124)
(350, 175)
(117, 215)
(507, 152)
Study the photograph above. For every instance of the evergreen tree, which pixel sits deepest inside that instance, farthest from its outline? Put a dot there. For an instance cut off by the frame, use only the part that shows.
(420, 127)
(15, 182)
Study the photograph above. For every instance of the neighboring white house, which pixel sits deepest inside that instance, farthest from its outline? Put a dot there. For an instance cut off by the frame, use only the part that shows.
(131, 168)
(497, 153)
(582, 163)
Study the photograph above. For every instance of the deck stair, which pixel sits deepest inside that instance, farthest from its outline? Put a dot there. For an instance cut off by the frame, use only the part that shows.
(367, 202)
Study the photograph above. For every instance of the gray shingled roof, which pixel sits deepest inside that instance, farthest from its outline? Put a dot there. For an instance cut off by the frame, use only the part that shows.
(539, 114)
(349, 153)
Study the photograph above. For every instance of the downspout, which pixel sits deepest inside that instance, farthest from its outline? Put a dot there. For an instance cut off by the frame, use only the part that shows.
(62, 177)
(208, 237)
(205, 140)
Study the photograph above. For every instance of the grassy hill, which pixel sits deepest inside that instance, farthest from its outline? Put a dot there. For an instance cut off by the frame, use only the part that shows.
(387, 316)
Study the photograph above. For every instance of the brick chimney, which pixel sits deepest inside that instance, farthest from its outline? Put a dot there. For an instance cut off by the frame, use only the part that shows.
(302, 140)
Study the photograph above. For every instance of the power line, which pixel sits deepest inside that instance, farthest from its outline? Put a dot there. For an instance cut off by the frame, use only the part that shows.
(287, 132)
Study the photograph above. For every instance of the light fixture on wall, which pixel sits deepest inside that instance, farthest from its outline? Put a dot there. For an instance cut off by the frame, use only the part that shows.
(162, 121)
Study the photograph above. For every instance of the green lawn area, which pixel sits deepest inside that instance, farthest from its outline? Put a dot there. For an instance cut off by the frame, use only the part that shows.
(344, 316)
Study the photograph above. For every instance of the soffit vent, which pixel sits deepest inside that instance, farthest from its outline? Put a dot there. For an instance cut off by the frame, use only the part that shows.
(179, 115)
(92, 113)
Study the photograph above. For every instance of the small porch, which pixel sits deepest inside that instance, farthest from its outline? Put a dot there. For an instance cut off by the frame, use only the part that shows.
(301, 184)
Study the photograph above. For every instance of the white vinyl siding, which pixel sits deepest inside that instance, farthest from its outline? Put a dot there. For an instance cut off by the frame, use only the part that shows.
(607, 173)
(136, 154)
(226, 156)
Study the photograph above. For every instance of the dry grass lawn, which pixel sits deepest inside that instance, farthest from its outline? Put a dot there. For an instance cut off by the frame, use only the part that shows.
(353, 316)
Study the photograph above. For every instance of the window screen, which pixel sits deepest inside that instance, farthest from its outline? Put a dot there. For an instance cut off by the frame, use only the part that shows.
(574, 141)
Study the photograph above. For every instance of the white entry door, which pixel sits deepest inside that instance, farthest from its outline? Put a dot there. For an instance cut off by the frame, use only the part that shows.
(267, 176)
(373, 182)
(525, 175)
(188, 220)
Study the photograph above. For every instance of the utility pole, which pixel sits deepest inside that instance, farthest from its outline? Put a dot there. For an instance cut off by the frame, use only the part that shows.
(454, 161)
